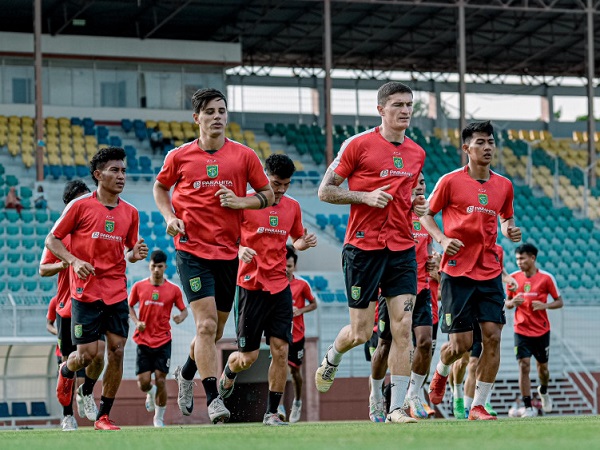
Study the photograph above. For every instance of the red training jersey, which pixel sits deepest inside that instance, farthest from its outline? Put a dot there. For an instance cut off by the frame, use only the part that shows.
(156, 303)
(537, 288)
(51, 315)
(100, 236)
(266, 231)
(301, 293)
(470, 211)
(63, 291)
(212, 231)
(369, 162)
(423, 241)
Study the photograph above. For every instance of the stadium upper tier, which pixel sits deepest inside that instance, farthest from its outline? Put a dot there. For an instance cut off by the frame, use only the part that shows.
(565, 239)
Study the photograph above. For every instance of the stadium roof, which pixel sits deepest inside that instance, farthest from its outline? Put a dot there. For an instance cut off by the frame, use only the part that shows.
(522, 37)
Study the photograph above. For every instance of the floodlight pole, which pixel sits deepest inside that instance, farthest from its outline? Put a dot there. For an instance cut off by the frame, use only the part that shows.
(39, 119)
(327, 90)
(462, 68)
(591, 125)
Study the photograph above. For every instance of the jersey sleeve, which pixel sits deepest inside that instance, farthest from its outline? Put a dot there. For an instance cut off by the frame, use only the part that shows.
(178, 298)
(307, 293)
(256, 174)
(345, 162)
(132, 233)
(134, 296)
(438, 198)
(507, 210)
(51, 315)
(297, 230)
(48, 257)
(66, 223)
(168, 174)
(553, 288)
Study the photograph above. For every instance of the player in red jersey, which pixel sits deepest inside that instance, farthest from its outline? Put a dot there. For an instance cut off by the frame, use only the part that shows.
(264, 303)
(304, 302)
(467, 364)
(50, 265)
(421, 331)
(209, 177)
(382, 166)
(532, 326)
(156, 297)
(103, 228)
(471, 199)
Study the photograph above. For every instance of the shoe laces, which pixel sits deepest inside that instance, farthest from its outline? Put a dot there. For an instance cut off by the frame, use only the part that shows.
(329, 372)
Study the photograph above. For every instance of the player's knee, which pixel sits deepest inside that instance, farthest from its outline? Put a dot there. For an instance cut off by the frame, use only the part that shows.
(247, 359)
(524, 365)
(424, 344)
(144, 385)
(206, 328)
(85, 358)
(160, 382)
(116, 352)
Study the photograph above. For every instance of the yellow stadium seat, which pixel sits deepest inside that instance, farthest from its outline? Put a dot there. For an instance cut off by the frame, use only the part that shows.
(52, 148)
(27, 147)
(54, 160)
(67, 160)
(150, 123)
(233, 126)
(90, 140)
(80, 160)
(78, 149)
(77, 130)
(3, 120)
(298, 165)
(28, 160)
(190, 134)
(14, 148)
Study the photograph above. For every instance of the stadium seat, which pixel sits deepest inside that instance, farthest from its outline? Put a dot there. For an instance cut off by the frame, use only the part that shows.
(12, 215)
(4, 409)
(30, 285)
(13, 271)
(27, 230)
(54, 215)
(38, 409)
(156, 217)
(47, 284)
(29, 271)
(334, 220)
(321, 220)
(144, 217)
(14, 285)
(19, 409)
(29, 257)
(41, 216)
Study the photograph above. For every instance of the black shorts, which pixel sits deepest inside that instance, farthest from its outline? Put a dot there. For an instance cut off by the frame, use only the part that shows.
(296, 353)
(434, 330)
(365, 271)
(371, 345)
(528, 346)
(477, 346)
(150, 359)
(465, 300)
(259, 312)
(91, 321)
(65, 344)
(421, 316)
(201, 278)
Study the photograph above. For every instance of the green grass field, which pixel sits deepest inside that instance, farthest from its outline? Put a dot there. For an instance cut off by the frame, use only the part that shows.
(571, 432)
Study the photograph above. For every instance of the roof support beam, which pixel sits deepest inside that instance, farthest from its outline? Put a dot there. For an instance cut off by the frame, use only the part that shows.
(166, 19)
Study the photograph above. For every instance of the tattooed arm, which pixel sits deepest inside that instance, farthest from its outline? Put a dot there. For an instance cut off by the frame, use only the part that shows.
(331, 192)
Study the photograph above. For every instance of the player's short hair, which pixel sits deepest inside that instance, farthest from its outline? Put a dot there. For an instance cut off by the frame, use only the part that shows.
(477, 127)
(527, 248)
(104, 155)
(280, 165)
(74, 189)
(391, 88)
(158, 256)
(291, 253)
(202, 96)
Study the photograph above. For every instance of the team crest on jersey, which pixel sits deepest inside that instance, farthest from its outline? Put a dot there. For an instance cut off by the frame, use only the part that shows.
(483, 199)
(398, 163)
(355, 292)
(417, 225)
(273, 221)
(195, 284)
(212, 171)
(242, 342)
(448, 318)
(381, 326)
(109, 226)
(155, 296)
(527, 287)
(78, 329)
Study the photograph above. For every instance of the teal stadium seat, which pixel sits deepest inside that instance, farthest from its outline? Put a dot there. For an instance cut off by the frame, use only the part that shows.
(27, 216)
(30, 271)
(30, 285)
(13, 257)
(41, 216)
(30, 257)
(12, 215)
(38, 409)
(14, 271)
(54, 215)
(48, 284)
(14, 285)
(27, 230)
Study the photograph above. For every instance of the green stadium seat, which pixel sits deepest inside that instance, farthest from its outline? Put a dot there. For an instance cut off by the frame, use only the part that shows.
(27, 230)
(14, 285)
(26, 192)
(29, 271)
(2, 288)
(11, 180)
(27, 216)
(13, 271)
(28, 243)
(47, 284)
(270, 129)
(13, 257)
(54, 215)
(30, 257)
(42, 230)
(12, 215)
(41, 216)
(30, 285)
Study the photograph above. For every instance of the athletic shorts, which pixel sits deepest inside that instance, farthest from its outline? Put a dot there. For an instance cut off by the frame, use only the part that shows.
(477, 346)
(150, 359)
(421, 316)
(434, 330)
(528, 346)
(365, 271)
(296, 353)
(259, 312)
(91, 321)
(371, 345)
(465, 300)
(201, 278)
(65, 344)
